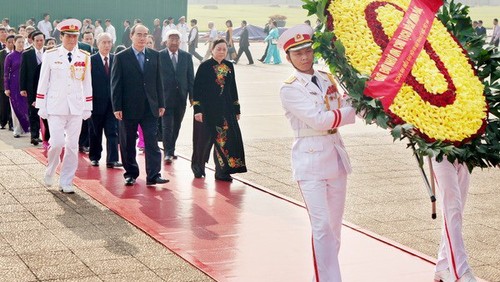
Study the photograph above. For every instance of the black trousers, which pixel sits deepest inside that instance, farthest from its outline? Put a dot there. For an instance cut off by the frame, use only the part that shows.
(83, 140)
(265, 53)
(247, 53)
(34, 122)
(5, 114)
(192, 51)
(46, 133)
(202, 144)
(109, 124)
(127, 136)
(171, 123)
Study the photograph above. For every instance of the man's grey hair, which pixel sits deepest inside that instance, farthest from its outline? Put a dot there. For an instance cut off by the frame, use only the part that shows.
(102, 36)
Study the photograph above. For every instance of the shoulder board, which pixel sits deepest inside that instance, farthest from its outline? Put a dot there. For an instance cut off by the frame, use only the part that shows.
(51, 50)
(330, 76)
(291, 79)
(84, 52)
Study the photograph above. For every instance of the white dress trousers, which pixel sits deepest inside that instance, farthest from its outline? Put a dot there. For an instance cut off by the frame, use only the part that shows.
(64, 133)
(452, 185)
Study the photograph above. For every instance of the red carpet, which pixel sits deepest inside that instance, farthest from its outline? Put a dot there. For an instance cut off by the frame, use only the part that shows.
(237, 231)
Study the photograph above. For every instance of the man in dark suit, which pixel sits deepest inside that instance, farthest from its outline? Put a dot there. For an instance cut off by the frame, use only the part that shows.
(137, 93)
(102, 117)
(5, 114)
(29, 74)
(480, 29)
(126, 41)
(88, 38)
(178, 80)
(244, 44)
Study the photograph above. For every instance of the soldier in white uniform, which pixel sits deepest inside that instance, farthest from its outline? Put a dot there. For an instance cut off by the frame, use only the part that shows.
(316, 109)
(64, 98)
(452, 185)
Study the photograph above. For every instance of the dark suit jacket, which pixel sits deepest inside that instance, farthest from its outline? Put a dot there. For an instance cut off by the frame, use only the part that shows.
(177, 84)
(29, 74)
(134, 91)
(244, 38)
(85, 47)
(3, 54)
(101, 85)
(126, 38)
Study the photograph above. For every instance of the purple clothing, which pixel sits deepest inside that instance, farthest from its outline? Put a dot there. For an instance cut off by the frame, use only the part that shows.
(19, 103)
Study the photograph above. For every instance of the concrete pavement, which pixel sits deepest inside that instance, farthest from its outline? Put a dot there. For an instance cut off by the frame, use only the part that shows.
(45, 235)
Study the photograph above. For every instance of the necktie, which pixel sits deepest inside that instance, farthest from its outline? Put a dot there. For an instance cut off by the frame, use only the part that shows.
(314, 79)
(106, 65)
(140, 58)
(174, 60)
(38, 57)
(69, 57)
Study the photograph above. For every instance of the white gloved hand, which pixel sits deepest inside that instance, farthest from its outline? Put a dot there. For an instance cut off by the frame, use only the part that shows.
(86, 115)
(43, 113)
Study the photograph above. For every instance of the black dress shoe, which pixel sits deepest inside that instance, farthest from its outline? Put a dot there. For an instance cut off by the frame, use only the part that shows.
(129, 181)
(158, 180)
(168, 159)
(94, 163)
(199, 175)
(224, 177)
(83, 149)
(114, 164)
(34, 141)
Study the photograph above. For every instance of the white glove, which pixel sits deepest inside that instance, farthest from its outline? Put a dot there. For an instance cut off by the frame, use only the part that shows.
(86, 115)
(43, 113)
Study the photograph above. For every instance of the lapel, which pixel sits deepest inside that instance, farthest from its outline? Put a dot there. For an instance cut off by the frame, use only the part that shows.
(32, 57)
(169, 60)
(313, 93)
(180, 59)
(100, 65)
(147, 58)
(323, 81)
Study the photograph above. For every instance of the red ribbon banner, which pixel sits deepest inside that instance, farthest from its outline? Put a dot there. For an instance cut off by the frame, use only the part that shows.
(402, 51)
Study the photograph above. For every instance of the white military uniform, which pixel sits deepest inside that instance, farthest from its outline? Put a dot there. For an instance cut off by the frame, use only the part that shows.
(320, 162)
(316, 109)
(65, 95)
(452, 183)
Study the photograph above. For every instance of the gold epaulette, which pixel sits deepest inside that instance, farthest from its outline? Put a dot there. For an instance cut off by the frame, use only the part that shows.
(291, 79)
(84, 52)
(330, 76)
(51, 50)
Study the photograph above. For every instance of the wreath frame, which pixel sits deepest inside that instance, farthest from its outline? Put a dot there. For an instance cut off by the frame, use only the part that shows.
(482, 151)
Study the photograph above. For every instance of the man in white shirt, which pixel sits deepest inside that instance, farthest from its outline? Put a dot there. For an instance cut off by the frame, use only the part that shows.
(212, 36)
(183, 28)
(98, 28)
(5, 23)
(111, 30)
(45, 25)
(495, 38)
(168, 24)
(193, 40)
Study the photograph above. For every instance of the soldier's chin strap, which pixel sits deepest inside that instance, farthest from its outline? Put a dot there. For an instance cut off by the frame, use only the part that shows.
(312, 64)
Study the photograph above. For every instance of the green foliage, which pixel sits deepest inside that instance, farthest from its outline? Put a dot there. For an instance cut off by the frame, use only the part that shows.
(483, 151)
